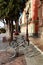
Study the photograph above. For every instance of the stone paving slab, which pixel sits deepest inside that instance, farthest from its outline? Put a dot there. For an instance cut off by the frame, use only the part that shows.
(38, 42)
(30, 51)
(18, 61)
(31, 56)
(4, 59)
(3, 45)
(36, 60)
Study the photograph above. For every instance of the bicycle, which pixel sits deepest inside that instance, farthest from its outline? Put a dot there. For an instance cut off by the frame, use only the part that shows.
(15, 45)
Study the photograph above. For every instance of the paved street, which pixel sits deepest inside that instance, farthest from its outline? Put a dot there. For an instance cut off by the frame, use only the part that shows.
(31, 55)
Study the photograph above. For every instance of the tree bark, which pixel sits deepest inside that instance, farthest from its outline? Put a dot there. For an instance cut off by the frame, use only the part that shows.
(17, 27)
(11, 30)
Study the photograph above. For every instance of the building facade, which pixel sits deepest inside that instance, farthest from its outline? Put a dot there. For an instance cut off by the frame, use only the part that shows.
(40, 13)
(35, 9)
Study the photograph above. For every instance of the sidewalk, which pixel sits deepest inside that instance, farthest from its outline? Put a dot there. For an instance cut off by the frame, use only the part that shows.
(31, 56)
(4, 59)
(34, 57)
(3, 45)
(38, 41)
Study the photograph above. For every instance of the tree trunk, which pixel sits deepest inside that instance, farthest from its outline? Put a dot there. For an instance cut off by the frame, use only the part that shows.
(16, 28)
(11, 30)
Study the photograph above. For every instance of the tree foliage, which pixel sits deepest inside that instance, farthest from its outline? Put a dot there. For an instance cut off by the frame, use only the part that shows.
(11, 8)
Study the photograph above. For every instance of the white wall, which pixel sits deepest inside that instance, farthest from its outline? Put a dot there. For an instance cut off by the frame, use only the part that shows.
(31, 29)
(23, 29)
